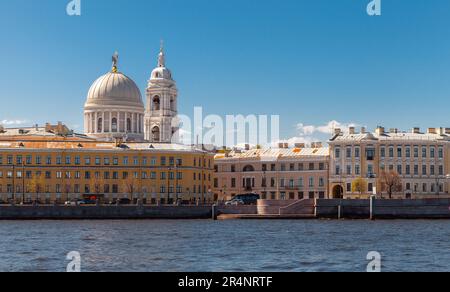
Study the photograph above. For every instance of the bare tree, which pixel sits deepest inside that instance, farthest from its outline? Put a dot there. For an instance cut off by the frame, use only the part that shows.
(391, 182)
(359, 185)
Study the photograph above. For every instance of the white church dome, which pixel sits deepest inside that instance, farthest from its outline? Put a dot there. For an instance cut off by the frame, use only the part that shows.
(114, 89)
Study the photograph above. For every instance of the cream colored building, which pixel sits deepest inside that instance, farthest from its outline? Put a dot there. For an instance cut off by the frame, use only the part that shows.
(277, 174)
(421, 159)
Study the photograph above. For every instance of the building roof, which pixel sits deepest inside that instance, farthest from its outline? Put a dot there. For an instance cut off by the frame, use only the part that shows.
(397, 136)
(275, 154)
(114, 89)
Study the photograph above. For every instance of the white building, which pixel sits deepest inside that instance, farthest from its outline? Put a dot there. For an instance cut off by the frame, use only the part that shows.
(161, 108)
(114, 108)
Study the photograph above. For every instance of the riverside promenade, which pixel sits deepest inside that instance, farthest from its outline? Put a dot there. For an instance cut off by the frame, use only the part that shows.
(340, 209)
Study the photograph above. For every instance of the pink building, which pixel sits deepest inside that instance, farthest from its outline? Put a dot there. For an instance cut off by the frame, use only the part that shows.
(275, 174)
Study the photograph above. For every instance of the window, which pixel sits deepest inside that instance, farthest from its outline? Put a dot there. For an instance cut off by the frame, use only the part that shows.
(399, 169)
(349, 153)
(399, 152)
(77, 160)
(370, 154)
(408, 152)
(441, 153)
(311, 182)
(321, 166)
(408, 170)
(349, 170)
(125, 160)
(416, 152)
(383, 152)
(357, 152)
(424, 170)
(424, 152)
(321, 182)
(68, 160)
(114, 124)
(129, 125)
(337, 153)
(87, 160)
(338, 170)
(97, 160)
(432, 152)
(100, 125)
(391, 152)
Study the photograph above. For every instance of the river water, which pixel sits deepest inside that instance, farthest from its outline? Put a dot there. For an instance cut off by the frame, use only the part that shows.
(216, 246)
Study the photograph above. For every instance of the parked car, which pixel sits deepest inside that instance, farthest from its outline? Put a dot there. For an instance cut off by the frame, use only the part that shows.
(74, 202)
(123, 201)
(87, 202)
(235, 202)
(248, 199)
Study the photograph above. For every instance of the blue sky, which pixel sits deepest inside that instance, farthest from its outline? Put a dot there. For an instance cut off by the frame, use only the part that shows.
(310, 61)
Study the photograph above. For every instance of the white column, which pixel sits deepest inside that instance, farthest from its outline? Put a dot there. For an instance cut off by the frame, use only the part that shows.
(103, 122)
(132, 123)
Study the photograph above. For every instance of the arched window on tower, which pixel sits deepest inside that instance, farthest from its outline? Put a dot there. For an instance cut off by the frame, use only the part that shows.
(156, 134)
(129, 125)
(114, 125)
(172, 104)
(156, 103)
(100, 125)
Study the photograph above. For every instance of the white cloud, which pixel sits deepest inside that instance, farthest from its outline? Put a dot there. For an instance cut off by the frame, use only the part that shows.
(317, 133)
(328, 128)
(13, 122)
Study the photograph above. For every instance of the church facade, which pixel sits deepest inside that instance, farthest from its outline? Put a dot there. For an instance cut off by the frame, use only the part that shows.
(114, 108)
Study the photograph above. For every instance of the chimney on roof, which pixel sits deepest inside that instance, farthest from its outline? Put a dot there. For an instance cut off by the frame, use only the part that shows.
(286, 146)
(379, 131)
(36, 127)
(416, 130)
(351, 130)
(281, 145)
(363, 130)
(441, 131)
(247, 147)
(337, 131)
(432, 131)
(300, 145)
(447, 131)
(316, 145)
(393, 130)
(2, 129)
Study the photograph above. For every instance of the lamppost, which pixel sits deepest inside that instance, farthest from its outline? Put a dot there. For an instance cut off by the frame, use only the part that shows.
(169, 169)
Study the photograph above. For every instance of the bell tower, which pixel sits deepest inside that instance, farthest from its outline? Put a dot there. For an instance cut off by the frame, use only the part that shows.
(161, 104)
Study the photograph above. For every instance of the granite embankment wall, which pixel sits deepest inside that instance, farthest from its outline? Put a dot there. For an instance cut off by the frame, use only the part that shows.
(351, 209)
(104, 212)
(385, 209)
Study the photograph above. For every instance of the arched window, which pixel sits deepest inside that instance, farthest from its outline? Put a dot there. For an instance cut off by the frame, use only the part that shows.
(156, 134)
(100, 125)
(156, 103)
(172, 104)
(114, 125)
(129, 125)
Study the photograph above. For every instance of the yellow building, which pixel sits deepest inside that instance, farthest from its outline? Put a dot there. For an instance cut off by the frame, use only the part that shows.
(41, 164)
